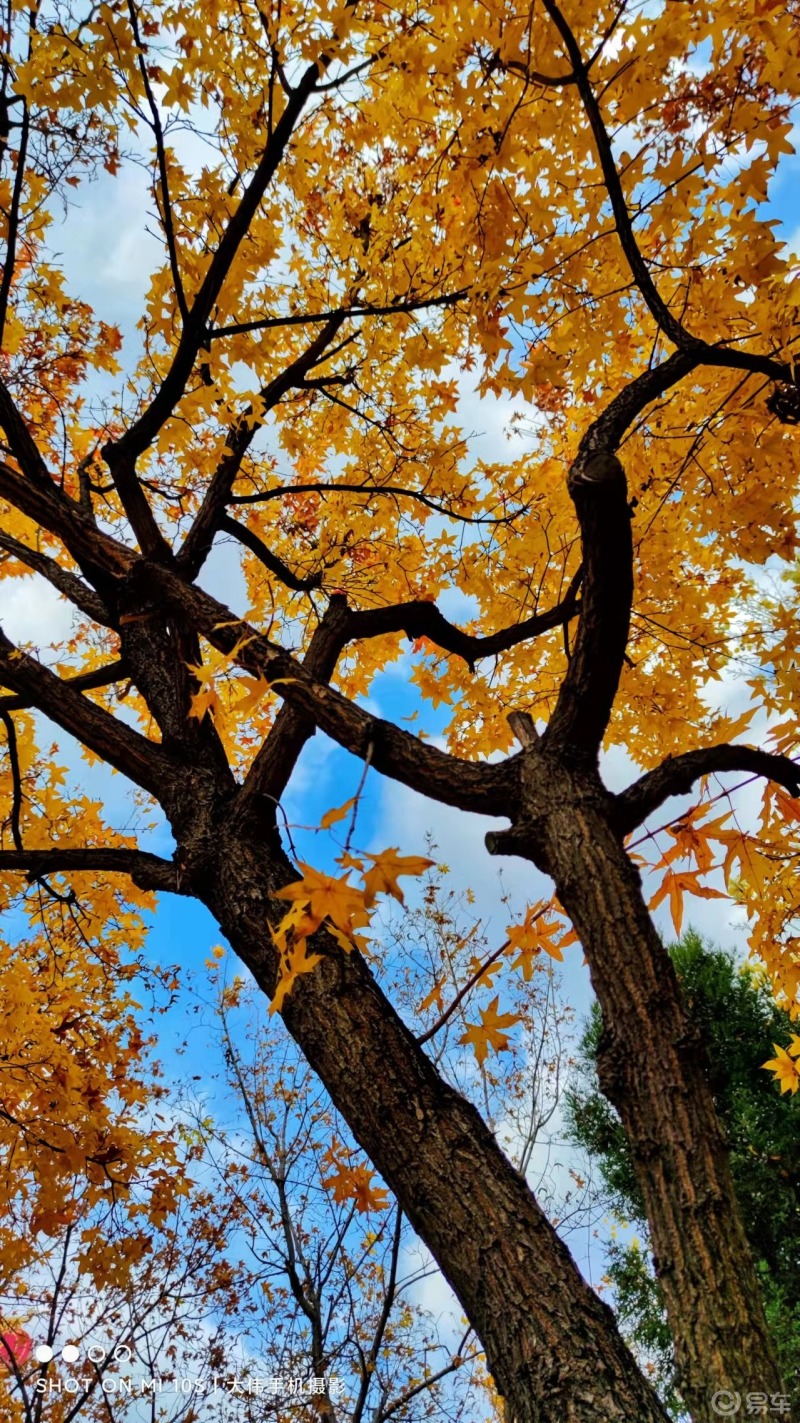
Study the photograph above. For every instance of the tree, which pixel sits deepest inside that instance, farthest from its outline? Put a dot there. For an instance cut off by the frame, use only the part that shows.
(569, 202)
(733, 1009)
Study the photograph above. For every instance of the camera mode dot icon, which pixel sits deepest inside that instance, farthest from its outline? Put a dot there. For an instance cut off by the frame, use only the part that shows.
(70, 1353)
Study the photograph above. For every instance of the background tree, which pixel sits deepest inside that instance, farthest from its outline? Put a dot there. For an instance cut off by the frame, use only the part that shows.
(732, 1007)
(352, 202)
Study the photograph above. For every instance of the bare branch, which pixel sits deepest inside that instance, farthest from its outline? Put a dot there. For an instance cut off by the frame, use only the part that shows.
(200, 537)
(161, 158)
(677, 775)
(399, 306)
(66, 583)
(143, 761)
(369, 1361)
(83, 682)
(146, 870)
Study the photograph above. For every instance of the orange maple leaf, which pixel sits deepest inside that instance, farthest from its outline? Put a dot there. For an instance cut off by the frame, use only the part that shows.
(386, 867)
(489, 1032)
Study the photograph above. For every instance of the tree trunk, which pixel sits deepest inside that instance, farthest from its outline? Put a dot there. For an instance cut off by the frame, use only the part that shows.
(551, 1344)
(652, 1067)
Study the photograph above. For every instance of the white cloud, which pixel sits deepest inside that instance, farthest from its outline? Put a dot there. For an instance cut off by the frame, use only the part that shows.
(32, 611)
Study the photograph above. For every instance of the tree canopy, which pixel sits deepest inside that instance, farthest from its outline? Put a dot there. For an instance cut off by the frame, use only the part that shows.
(355, 204)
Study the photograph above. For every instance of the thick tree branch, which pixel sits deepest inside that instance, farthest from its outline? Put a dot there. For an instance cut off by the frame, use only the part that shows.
(293, 727)
(16, 777)
(727, 357)
(277, 757)
(99, 556)
(423, 619)
(83, 682)
(13, 219)
(534, 76)
(145, 762)
(677, 775)
(136, 504)
(23, 446)
(485, 788)
(597, 485)
(439, 1159)
(598, 488)
(146, 870)
(66, 583)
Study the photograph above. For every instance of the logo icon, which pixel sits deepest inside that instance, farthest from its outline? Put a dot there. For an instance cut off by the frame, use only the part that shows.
(15, 1348)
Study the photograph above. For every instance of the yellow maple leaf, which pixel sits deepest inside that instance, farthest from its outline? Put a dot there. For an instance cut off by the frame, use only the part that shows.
(786, 1071)
(789, 806)
(297, 923)
(295, 962)
(386, 868)
(676, 885)
(350, 941)
(332, 817)
(254, 691)
(205, 700)
(489, 1032)
(534, 934)
(353, 1183)
(328, 897)
(436, 996)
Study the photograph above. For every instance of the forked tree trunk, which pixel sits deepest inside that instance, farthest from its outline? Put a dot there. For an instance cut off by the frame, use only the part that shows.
(652, 1067)
(552, 1345)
